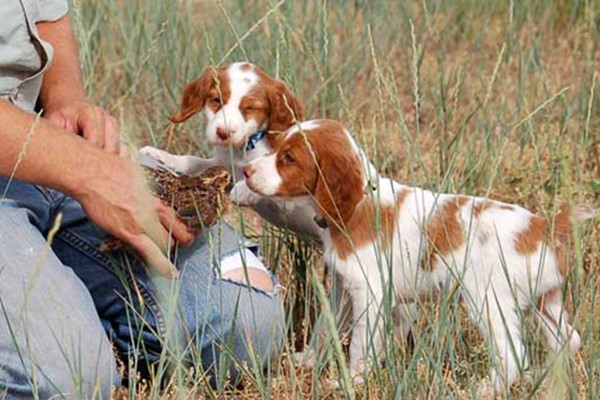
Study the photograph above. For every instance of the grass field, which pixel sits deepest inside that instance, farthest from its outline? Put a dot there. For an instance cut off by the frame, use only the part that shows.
(492, 98)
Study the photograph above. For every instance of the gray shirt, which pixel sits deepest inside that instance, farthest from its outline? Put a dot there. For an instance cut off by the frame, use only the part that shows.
(24, 56)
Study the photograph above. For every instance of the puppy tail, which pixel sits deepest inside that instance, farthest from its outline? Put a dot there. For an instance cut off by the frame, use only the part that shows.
(564, 222)
(583, 212)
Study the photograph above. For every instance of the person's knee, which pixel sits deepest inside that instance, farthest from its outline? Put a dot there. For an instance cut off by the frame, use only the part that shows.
(84, 363)
(251, 338)
(87, 363)
(259, 329)
(246, 268)
(258, 312)
(251, 276)
(233, 319)
(56, 345)
(94, 375)
(89, 372)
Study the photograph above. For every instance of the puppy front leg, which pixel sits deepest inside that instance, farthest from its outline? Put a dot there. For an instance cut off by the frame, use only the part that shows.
(189, 165)
(366, 342)
(404, 314)
(341, 309)
(341, 304)
(242, 195)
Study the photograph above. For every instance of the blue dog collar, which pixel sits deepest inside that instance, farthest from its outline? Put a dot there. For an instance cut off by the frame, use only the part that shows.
(254, 139)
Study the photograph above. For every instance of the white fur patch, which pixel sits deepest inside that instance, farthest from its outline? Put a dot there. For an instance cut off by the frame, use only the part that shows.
(370, 172)
(266, 179)
(302, 127)
(241, 81)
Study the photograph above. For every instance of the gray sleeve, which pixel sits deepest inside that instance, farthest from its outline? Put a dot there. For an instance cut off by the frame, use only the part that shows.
(52, 10)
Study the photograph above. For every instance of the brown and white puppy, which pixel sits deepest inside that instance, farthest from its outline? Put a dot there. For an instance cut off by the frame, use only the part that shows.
(502, 258)
(246, 111)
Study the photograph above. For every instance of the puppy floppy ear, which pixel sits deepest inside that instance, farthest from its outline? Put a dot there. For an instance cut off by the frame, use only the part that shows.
(194, 95)
(339, 186)
(286, 109)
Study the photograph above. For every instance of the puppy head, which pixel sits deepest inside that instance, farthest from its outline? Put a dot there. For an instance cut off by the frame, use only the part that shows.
(238, 100)
(318, 159)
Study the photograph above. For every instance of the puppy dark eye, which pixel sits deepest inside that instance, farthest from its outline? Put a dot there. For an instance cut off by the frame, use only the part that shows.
(216, 101)
(288, 159)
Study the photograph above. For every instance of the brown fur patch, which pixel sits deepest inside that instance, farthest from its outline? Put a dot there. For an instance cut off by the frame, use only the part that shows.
(284, 109)
(537, 232)
(444, 232)
(322, 163)
(212, 86)
(529, 239)
(269, 100)
(339, 187)
(254, 106)
(486, 204)
(562, 238)
(369, 225)
(481, 206)
(551, 296)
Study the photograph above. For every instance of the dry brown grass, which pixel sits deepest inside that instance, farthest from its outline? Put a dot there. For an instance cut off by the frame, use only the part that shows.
(489, 120)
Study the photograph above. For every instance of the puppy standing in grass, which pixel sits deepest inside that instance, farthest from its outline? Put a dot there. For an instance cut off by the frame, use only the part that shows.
(246, 111)
(502, 258)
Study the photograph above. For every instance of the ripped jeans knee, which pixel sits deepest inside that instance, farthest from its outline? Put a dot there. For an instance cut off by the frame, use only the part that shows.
(244, 321)
(231, 309)
(245, 268)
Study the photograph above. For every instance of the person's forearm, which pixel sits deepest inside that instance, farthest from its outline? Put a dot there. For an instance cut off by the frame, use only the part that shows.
(40, 153)
(63, 81)
(109, 188)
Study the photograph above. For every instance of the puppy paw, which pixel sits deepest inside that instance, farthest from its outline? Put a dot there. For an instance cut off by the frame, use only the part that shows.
(157, 154)
(165, 158)
(242, 195)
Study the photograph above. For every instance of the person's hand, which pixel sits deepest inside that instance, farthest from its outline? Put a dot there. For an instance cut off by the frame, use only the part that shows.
(117, 201)
(91, 122)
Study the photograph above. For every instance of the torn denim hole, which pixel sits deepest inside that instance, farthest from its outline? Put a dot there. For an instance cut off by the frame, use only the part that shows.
(245, 268)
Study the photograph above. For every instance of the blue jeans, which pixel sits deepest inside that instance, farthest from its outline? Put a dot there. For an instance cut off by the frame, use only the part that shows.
(65, 305)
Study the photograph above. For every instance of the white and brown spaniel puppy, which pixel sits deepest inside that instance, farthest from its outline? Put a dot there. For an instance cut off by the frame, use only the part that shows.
(246, 111)
(502, 258)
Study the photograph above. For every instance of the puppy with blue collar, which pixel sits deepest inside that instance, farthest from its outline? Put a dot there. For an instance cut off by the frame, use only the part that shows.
(245, 112)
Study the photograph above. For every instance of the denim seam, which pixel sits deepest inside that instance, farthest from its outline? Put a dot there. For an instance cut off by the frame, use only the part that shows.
(161, 325)
(90, 251)
(46, 193)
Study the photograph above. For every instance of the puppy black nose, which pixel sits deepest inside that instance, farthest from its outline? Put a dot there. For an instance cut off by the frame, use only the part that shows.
(223, 134)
